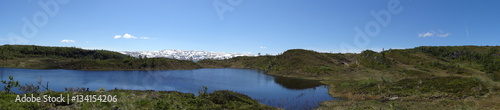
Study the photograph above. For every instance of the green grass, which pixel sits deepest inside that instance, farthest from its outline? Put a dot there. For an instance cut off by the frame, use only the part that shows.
(425, 88)
(450, 77)
(134, 99)
(292, 62)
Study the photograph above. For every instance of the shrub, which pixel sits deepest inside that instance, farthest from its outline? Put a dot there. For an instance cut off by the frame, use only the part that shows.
(29, 88)
(374, 60)
(10, 84)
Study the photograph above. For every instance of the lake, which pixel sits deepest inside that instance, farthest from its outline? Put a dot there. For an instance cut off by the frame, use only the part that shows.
(287, 93)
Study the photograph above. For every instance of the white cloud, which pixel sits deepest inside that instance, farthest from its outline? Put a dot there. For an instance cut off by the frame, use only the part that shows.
(129, 36)
(443, 35)
(67, 41)
(126, 36)
(432, 33)
(262, 47)
(427, 34)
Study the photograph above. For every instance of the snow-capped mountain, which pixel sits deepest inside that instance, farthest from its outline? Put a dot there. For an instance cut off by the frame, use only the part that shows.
(184, 54)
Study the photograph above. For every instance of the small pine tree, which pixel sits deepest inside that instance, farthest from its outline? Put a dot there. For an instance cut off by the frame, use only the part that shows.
(10, 84)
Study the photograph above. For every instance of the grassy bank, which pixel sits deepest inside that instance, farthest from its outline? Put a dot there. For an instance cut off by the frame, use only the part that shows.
(133, 99)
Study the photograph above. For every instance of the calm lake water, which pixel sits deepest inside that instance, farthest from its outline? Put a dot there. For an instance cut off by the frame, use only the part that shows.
(280, 92)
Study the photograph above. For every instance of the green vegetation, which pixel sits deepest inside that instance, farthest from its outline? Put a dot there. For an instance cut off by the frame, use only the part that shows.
(420, 88)
(10, 84)
(448, 77)
(292, 62)
(134, 99)
(40, 57)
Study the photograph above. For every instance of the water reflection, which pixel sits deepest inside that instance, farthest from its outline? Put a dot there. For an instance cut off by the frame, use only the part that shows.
(295, 83)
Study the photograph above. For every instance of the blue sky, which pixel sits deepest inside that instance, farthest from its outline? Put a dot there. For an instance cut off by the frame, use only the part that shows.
(249, 26)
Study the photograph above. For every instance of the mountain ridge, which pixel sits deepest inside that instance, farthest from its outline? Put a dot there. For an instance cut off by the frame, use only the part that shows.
(193, 55)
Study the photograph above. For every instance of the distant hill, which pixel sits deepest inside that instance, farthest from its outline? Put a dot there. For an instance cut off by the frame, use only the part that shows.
(424, 59)
(43, 57)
